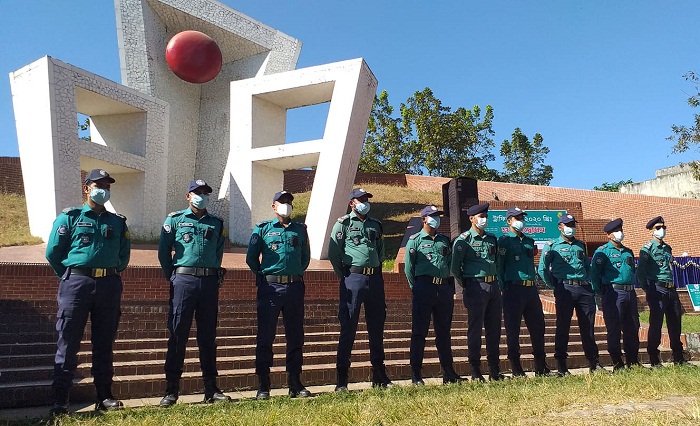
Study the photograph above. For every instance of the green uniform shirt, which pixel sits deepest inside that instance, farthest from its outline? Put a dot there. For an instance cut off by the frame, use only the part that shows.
(285, 250)
(654, 263)
(356, 243)
(474, 255)
(516, 259)
(426, 255)
(563, 260)
(611, 265)
(82, 238)
(198, 243)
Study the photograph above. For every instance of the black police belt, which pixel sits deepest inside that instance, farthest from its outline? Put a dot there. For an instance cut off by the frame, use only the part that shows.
(487, 279)
(432, 279)
(197, 272)
(283, 279)
(93, 272)
(524, 283)
(365, 270)
(574, 282)
(622, 287)
(666, 284)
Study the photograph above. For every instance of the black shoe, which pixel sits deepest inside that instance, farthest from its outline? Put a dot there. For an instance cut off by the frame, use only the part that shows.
(618, 366)
(342, 380)
(657, 364)
(380, 378)
(516, 368)
(296, 388)
(109, 404)
(476, 374)
(544, 372)
(416, 378)
(168, 400)
(216, 396)
(682, 362)
(595, 367)
(263, 387)
(58, 409)
(450, 376)
(562, 369)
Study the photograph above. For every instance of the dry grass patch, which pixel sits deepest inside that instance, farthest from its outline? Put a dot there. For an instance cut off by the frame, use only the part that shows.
(14, 223)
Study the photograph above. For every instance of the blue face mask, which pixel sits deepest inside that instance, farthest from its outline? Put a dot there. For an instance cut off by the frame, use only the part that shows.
(99, 195)
(362, 208)
(199, 201)
(433, 222)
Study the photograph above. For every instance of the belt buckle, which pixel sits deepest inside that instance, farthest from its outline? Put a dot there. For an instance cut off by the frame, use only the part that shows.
(283, 279)
(99, 272)
(527, 283)
(437, 280)
(366, 271)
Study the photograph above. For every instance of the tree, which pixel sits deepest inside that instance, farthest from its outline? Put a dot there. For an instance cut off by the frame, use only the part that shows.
(523, 161)
(612, 186)
(684, 137)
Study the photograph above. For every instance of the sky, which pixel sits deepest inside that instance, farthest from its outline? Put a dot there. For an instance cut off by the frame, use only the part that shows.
(602, 81)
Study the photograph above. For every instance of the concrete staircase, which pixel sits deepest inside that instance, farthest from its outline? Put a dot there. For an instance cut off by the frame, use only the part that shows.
(28, 336)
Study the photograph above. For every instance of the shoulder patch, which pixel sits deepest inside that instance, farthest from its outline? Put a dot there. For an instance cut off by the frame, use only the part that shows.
(70, 209)
(262, 223)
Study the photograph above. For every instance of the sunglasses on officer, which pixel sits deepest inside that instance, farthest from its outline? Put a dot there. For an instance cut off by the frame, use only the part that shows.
(659, 226)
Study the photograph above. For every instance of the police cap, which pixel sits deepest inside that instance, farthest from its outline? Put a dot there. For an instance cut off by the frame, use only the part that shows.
(515, 211)
(430, 210)
(612, 226)
(654, 221)
(567, 218)
(479, 208)
(359, 193)
(97, 174)
(198, 183)
(285, 194)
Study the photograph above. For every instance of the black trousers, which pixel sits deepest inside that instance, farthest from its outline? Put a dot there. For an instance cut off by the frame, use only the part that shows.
(436, 301)
(621, 317)
(272, 299)
(355, 290)
(664, 302)
(581, 299)
(523, 302)
(484, 310)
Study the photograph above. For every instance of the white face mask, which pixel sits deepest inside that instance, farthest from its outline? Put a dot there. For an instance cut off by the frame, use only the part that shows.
(568, 231)
(433, 222)
(518, 225)
(362, 208)
(481, 222)
(660, 233)
(618, 236)
(284, 210)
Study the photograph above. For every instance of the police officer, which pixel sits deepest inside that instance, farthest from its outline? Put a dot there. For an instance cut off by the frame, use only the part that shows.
(194, 271)
(284, 246)
(474, 268)
(612, 275)
(87, 248)
(654, 275)
(356, 252)
(564, 267)
(515, 268)
(427, 268)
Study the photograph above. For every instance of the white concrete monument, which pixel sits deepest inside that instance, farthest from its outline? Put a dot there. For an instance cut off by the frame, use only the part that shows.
(155, 132)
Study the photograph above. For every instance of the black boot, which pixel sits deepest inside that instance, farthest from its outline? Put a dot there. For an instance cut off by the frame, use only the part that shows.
(105, 400)
(562, 369)
(516, 368)
(60, 405)
(213, 393)
(342, 380)
(541, 368)
(655, 361)
(171, 394)
(495, 373)
(449, 375)
(476, 373)
(617, 363)
(263, 387)
(380, 378)
(416, 377)
(296, 388)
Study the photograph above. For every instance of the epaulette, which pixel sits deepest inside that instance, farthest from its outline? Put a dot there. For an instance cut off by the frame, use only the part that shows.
(550, 243)
(413, 237)
(647, 245)
(121, 216)
(464, 234)
(342, 219)
(262, 222)
(70, 209)
(175, 213)
(300, 224)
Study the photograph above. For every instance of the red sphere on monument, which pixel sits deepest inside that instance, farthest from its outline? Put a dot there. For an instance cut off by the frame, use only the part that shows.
(193, 56)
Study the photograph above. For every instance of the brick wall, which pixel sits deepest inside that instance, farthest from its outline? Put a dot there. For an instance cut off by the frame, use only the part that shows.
(38, 282)
(303, 180)
(11, 175)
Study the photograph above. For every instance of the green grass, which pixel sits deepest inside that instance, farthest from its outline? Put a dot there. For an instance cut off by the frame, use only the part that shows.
(14, 223)
(636, 397)
(394, 206)
(690, 323)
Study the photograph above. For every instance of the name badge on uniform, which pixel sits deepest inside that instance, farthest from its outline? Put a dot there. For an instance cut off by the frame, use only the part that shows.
(354, 229)
(564, 249)
(476, 244)
(187, 224)
(274, 234)
(85, 224)
(426, 245)
(615, 255)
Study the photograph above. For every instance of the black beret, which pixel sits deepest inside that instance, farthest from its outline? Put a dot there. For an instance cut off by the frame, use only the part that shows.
(280, 194)
(479, 208)
(654, 221)
(615, 225)
(359, 193)
(515, 211)
(98, 174)
(567, 218)
(430, 210)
